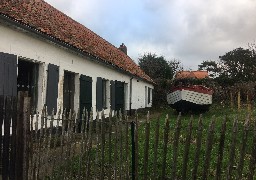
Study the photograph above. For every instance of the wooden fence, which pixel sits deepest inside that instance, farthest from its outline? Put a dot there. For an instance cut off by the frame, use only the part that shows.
(174, 149)
(65, 146)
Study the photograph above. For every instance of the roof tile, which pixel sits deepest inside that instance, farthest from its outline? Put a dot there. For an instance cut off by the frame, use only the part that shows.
(191, 74)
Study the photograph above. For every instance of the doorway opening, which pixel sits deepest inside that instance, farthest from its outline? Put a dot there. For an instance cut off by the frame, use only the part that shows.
(27, 80)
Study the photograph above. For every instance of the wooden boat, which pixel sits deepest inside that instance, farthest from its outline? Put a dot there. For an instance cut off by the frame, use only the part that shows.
(185, 96)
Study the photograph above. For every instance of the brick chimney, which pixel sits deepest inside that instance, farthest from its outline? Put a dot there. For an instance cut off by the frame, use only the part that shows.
(123, 48)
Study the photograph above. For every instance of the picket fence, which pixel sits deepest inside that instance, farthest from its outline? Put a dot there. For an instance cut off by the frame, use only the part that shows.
(67, 146)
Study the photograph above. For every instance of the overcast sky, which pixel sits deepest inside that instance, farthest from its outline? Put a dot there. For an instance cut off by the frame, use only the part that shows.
(189, 30)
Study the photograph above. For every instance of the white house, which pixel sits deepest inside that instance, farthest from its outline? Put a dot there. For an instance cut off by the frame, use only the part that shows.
(63, 64)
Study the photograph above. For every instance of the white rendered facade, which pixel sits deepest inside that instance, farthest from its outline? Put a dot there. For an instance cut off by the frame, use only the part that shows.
(33, 48)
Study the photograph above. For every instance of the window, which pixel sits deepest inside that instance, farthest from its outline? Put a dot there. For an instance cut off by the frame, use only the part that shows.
(149, 95)
(102, 93)
(68, 91)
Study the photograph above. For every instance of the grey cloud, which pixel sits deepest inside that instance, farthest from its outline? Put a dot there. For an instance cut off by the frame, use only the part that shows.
(190, 30)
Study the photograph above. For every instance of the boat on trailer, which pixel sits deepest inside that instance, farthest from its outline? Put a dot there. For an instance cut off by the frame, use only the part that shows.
(185, 96)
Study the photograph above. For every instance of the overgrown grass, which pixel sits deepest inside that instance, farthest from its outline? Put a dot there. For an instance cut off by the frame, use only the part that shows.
(218, 114)
(73, 168)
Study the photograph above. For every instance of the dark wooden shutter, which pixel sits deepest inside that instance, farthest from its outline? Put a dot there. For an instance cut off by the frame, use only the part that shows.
(85, 93)
(52, 88)
(68, 91)
(8, 74)
(149, 95)
(119, 95)
(113, 95)
(99, 94)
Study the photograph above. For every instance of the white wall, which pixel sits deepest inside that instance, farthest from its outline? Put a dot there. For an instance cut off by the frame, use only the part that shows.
(139, 96)
(36, 49)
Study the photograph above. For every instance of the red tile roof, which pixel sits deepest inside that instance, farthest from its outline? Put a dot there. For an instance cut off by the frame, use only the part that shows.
(191, 74)
(200, 74)
(46, 19)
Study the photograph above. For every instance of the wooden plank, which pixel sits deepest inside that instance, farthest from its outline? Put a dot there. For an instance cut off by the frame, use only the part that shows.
(2, 73)
(40, 142)
(26, 133)
(166, 134)
(19, 136)
(1, 121)
(90, 133)
(221, 149)
(13, 138)
(232, 150)
(97, 153)
(127, 147)
(243, 148)
(252, 163)
(198, 148)
(156, 143)
(120, 125)
(239, 100)
(6, 138)
(136, 139)
(31, 148)
(186, 151)
(37, 136)
(102, 173)
(48, 148)
(82, 142)
(115, 149)
(209, 143)
(175, 147)
(110, 146)
(146, 147)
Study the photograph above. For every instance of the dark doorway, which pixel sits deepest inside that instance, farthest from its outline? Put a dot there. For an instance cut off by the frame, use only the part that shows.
(68, 91)
(119, 96)
(28, 80)
(85, 94)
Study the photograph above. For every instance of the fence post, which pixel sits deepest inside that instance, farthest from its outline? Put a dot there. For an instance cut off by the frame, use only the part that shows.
(198, 147)
(209, 144)
(243, 148)
(166, 134)
(175, 146)
(253, 154)
(239, 100)
(110, 145)
(146, 150)
(232, 150)
(26, 133)
(221, 149)
(133, 149)
(13, 137)
(231, 100)
(156, 143)
(186, 151)
(6, 139)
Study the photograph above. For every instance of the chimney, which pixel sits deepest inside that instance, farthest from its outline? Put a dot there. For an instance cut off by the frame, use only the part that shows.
(123, 48)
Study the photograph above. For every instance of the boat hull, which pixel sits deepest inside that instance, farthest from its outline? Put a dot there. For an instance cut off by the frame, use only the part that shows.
(193, 98)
